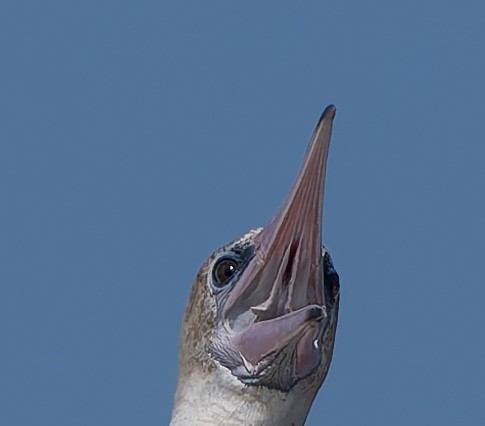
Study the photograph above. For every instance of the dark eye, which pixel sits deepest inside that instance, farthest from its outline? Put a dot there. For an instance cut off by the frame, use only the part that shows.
(223, 271)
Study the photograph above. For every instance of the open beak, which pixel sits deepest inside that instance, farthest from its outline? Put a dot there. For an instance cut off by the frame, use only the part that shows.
(280, 295)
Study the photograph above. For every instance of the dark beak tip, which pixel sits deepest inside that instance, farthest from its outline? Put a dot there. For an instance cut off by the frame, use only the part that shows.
(329, 113)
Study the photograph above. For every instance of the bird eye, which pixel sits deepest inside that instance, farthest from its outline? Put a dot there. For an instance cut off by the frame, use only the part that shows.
(223, 271)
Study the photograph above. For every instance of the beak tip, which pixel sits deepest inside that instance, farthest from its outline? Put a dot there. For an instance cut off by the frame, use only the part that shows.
(329, 113)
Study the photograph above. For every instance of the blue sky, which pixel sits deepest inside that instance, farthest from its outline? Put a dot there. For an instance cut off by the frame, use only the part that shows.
(137, 137)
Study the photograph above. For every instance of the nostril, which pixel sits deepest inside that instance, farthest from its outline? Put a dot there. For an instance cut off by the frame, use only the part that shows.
(289, 266)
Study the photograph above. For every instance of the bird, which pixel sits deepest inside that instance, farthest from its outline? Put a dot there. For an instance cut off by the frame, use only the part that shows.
(259, 328)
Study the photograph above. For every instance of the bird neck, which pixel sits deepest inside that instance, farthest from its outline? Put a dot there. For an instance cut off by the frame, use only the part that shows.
(218, 398)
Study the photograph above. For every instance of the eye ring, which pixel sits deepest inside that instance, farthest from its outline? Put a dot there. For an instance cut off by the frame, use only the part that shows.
(224, 269)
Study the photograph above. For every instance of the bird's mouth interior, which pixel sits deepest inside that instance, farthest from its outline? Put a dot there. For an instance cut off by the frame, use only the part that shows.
(279, 298)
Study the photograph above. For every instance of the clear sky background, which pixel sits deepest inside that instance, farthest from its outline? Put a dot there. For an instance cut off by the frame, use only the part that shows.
(137, 137)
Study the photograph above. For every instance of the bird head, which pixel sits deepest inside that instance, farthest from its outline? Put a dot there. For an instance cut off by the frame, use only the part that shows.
(264, 307)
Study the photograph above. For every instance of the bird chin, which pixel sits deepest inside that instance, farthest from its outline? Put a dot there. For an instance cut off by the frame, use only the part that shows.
(276, 353)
